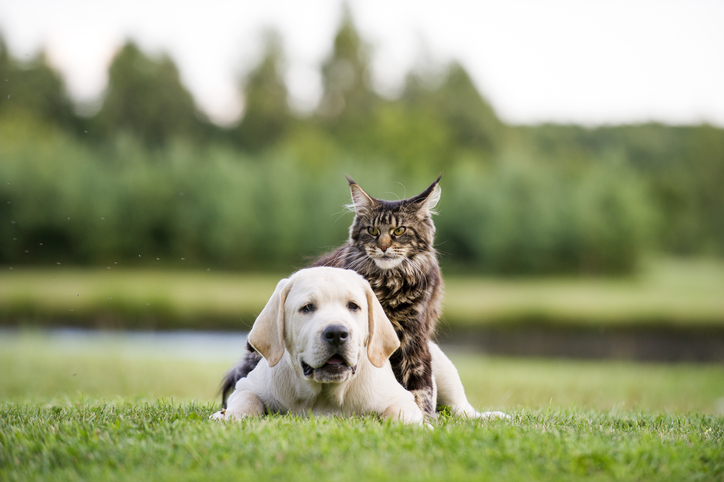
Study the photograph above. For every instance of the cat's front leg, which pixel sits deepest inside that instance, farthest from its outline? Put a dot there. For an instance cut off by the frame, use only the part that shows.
(424, 397)
(412, 365)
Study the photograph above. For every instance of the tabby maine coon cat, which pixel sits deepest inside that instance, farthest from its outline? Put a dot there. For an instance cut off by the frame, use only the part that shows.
(390, 244)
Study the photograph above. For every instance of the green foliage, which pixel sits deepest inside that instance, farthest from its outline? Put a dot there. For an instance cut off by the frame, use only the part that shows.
(457, 104)
(145, 98)
(72, 204)
(348, 100)
(266, 111)
(398, 133)
(33, 89)
(211, 207)
(681, 167)
(522, 218)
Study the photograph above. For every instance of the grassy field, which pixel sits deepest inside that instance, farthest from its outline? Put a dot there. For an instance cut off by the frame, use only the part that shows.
(666, 292)
(169, 441)
(105, 409)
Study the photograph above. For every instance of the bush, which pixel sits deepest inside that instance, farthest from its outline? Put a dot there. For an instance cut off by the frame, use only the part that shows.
(519, 217)
(65, 202)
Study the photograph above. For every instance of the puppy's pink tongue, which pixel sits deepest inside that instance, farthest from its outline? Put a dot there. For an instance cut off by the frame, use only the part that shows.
(335, 360)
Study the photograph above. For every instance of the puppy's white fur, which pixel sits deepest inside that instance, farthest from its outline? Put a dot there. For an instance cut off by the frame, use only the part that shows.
(297, 374)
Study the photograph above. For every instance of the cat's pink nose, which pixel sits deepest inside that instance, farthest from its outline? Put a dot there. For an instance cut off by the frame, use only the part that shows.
(384, 248)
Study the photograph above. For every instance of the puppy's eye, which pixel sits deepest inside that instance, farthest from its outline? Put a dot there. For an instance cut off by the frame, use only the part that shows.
(399, 231)
(308, 308)
(352, 306)
(373, 231)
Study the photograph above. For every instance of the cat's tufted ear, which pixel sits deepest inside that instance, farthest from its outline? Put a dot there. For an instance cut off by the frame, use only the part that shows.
(361, 201)
(428, 199)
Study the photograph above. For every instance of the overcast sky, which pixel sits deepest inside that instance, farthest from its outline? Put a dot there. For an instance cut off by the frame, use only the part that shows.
(592, 62)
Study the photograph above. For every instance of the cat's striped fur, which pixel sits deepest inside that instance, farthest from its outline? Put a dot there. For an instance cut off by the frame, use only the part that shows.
(391, 245)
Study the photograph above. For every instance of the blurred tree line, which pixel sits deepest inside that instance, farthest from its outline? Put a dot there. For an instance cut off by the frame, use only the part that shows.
(148, 178)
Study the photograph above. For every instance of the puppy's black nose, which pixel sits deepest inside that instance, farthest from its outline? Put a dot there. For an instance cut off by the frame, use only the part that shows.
(335, 335)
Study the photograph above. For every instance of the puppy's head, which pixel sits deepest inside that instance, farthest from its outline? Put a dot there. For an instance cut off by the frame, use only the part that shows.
(327, 319)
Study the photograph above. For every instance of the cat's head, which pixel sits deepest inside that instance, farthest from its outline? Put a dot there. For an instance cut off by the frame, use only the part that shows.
(391, 231)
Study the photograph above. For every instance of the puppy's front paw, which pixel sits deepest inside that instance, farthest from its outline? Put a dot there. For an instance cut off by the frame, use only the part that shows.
(410, 415)
(243, 404)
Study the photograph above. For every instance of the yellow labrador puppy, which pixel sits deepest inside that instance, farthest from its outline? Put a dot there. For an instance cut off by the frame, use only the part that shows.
(326, 341)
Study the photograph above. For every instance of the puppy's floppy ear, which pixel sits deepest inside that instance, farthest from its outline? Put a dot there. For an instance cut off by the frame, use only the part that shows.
(267, 334)
(383, 340)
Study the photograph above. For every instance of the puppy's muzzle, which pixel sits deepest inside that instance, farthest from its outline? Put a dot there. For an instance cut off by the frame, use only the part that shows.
(337, 367)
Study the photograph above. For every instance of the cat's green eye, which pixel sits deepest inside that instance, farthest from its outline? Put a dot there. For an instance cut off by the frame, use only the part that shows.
(399, 231)
(373, 231)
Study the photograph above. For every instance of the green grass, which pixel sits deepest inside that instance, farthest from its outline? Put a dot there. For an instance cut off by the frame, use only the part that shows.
(666, 292)
(169, 441)
(105, 410)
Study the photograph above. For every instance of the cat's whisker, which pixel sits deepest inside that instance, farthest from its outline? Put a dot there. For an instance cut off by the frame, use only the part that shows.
(337, 256)
(357, 264)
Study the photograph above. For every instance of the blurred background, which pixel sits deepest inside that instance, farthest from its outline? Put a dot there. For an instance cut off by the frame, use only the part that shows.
(161, 167)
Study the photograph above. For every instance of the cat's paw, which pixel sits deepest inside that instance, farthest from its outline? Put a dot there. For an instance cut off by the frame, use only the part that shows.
(219, 416)
(468, 411)
(492, 415)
